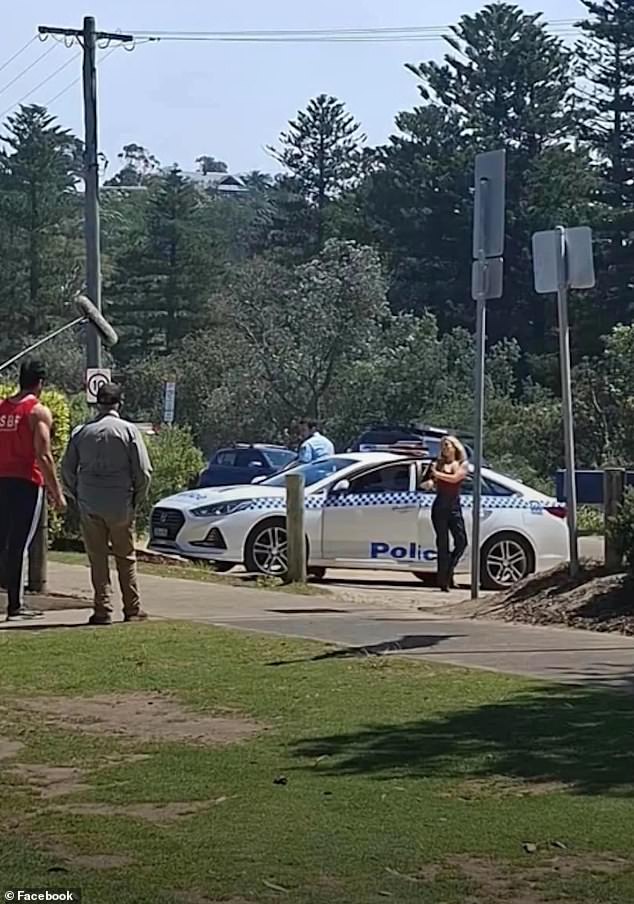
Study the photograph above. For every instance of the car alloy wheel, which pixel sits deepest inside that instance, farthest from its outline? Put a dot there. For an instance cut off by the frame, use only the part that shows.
(269, 550)
(507, 561)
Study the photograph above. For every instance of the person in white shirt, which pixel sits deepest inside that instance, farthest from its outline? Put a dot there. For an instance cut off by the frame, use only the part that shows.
(315, 445)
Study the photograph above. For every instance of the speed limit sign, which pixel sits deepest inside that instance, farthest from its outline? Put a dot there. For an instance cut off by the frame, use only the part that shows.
(95, 378)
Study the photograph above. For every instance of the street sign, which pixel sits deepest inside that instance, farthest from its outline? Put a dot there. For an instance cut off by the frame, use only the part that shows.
(489, 208)
(96, 377)
(493, 274)
(169, 403)
(487, 278)
(578, 269)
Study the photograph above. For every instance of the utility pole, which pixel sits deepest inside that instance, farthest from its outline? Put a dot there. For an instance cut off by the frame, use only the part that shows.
(87, 38)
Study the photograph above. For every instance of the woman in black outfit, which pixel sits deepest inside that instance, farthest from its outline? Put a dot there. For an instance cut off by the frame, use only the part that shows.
(447, 476)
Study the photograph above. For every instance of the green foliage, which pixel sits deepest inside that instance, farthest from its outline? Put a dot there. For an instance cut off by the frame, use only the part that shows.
(621, 528)
(175, 461)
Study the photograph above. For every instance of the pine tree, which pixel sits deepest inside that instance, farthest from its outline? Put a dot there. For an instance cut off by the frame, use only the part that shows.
(163, 282)
(322, 152)
(606, 53)
(40, 240)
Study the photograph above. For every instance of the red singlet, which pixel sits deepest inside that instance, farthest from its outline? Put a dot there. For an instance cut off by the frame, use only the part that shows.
(17, 450)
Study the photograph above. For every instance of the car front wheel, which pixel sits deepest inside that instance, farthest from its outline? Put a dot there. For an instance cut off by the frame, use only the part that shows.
(266, 549)
(506, 559)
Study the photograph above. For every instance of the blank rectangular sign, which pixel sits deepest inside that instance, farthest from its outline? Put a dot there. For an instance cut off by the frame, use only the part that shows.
(490, 200)
(493, 279)
(578, 263)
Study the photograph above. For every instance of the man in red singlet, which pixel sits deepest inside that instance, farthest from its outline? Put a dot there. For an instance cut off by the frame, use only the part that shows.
(26, 467)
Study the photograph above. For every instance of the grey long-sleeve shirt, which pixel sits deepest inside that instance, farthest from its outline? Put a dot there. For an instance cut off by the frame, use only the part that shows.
(106, 468)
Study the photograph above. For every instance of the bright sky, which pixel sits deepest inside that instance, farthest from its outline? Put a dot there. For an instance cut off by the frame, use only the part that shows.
(182, 100)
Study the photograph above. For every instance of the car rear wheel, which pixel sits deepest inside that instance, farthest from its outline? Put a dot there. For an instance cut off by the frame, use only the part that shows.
(267, 549)
(506, 559)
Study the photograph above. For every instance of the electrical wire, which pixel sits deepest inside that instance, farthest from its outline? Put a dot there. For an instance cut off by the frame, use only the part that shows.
(78, 79)
(28, 68)
(40, 84)
(18, 52)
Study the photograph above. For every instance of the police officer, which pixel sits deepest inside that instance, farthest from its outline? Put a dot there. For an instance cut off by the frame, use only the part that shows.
(315, 445)
(107, 470)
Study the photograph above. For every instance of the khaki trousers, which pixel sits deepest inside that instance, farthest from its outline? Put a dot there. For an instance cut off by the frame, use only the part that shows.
(100, 533)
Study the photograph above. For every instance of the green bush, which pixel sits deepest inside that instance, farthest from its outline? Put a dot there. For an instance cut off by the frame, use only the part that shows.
(621, 528)
(176, 460)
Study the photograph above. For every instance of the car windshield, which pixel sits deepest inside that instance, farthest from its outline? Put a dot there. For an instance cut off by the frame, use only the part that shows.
(279, 458)
(313, 472)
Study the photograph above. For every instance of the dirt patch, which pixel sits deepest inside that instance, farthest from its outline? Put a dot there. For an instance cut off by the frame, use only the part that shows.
(9, 748)
(51, 781)
(504, 882)
(503, 787)
(86, 861)
(595, 601)
(156, 814)
(143, 717)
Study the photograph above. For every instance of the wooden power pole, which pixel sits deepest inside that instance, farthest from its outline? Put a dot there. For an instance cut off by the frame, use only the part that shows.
(87, 38)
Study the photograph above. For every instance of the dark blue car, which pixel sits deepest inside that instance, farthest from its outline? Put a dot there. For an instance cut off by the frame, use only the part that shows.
(242, 463)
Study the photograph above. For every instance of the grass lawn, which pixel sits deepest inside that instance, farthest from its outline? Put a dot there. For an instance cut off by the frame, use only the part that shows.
(193, 571)
(370, 779)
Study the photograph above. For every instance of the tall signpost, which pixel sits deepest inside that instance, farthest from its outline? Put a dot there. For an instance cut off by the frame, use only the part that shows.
(563, 260)
(487, 282)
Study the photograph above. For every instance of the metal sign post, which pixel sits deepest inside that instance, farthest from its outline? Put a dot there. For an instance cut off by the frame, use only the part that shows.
(563, 259)
(487, 275)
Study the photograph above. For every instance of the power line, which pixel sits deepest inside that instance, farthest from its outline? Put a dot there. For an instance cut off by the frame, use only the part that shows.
(78, 79)
(40, 84)
(18, 52)
(28, 68)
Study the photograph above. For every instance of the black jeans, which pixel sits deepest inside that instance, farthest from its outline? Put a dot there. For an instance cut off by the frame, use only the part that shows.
(446, 516)
(20, 507)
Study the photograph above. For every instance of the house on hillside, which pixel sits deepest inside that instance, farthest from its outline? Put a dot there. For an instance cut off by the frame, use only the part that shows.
(223, 183)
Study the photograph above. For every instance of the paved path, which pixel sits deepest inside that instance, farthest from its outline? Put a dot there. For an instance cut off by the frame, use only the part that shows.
(558, 654)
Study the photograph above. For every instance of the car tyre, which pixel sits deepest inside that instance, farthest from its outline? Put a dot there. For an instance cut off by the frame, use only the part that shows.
(267, 543)
(507, 558)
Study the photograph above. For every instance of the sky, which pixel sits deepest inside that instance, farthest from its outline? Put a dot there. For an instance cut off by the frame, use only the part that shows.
(181, 100)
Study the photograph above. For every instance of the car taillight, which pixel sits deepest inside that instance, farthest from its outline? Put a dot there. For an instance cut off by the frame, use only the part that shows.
(559, 511)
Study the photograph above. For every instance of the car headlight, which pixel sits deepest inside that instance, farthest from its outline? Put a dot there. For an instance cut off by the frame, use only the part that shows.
(221, 508)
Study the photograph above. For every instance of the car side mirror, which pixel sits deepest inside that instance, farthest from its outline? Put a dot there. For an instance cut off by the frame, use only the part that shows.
(342, 486)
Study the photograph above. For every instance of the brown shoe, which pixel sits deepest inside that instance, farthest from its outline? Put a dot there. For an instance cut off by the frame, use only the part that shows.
(138, 616)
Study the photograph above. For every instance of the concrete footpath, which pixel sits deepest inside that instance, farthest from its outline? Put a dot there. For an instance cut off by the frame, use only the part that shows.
(440, 632)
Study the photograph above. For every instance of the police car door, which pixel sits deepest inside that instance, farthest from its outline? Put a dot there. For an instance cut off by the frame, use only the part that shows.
(374, 519)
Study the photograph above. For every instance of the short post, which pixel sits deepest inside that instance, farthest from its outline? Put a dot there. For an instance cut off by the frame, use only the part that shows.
(295, 531)
(613, 494)
(38, 555)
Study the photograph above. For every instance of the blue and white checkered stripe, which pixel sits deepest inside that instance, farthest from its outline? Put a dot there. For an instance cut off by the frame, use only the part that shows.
(380, 500)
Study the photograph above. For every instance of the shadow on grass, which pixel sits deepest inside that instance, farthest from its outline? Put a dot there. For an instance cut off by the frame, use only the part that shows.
(399, 645)
(582, 740)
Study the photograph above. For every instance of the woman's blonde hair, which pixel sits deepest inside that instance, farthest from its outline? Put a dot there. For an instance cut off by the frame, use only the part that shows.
(461, 453)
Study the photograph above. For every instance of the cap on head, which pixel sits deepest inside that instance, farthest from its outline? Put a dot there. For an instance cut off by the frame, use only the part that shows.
(109, 395)
(32, 373)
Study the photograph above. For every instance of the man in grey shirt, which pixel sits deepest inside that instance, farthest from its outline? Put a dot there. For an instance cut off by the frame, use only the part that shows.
(107, 471)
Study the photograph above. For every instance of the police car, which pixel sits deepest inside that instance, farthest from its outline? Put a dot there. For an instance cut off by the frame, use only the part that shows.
(364, 511)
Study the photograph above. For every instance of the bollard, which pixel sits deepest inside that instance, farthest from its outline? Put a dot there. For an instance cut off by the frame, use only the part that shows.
(613, 494)
(38, 555)
(295, 533)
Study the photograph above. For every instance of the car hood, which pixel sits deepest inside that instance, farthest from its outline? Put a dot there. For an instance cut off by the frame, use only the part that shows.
(189, 499)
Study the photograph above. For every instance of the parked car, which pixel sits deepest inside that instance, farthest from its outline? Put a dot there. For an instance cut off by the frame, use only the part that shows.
(378, 436)
(243, 463)
(363, 510)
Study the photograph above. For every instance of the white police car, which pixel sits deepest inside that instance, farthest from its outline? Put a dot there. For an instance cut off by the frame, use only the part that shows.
(363, 510)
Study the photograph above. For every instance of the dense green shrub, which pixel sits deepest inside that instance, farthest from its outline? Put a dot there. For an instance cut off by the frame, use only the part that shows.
(176, 460)
(621, 528)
